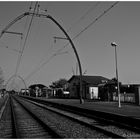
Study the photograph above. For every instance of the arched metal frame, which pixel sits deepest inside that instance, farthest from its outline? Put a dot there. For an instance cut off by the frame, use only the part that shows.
(18, 77)
(62, 29)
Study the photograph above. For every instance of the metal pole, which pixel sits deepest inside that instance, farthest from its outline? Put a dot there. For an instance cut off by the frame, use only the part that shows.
(118, 87)
(77, 56)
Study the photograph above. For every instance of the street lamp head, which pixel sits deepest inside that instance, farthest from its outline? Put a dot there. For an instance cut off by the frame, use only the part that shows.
(113, 44)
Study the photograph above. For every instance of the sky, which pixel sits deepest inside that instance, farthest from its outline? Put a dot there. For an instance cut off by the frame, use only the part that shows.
(39, 64)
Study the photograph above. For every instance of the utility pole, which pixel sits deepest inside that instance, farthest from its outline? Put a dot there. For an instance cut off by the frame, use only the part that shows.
(113, 44)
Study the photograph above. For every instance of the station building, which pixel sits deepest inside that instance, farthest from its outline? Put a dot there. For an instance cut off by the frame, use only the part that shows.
(103, 89)
(38, 90)
(90, 86)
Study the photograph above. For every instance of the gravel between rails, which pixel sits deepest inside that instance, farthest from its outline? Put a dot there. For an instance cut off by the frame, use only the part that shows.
(5, 123)
(27, 125)
(114, 129)
(3, 103)
(64, 126)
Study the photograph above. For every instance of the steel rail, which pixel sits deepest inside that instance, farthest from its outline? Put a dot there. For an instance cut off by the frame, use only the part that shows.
(118, 120)
(105, 132)
(45, 126)
(15, 130)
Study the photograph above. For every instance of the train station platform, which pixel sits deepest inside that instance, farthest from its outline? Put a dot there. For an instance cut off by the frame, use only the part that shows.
(126, 109)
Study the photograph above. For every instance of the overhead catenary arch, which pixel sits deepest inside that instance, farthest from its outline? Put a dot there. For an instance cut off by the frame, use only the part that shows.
(14, 76)
(62, 29)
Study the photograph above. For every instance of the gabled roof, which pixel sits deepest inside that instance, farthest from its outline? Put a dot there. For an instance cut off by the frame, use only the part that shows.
(37, 85)
(90, 79)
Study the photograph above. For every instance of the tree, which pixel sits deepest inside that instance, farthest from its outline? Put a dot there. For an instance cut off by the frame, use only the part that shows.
(59, 83)
(58, 86)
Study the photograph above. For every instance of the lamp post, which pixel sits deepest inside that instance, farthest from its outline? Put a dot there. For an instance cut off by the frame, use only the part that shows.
(113, 44)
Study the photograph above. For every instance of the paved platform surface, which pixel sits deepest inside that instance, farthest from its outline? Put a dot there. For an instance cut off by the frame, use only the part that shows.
(111, 107)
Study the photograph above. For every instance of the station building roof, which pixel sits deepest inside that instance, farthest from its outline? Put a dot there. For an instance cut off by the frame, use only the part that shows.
(96, 80)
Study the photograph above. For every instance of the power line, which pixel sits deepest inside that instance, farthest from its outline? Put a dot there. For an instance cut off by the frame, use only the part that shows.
(20, 56)
(72, 38)
(38, 68)
(43, 64)
(15, 50)
(83, 16)
(59, 50)
(89, 25)
(48, 51)
(96, 19)
(39, 63)
(30, 7)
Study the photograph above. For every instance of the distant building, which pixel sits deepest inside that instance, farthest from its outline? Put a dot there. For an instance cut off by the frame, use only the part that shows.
(38, 90)
(90, 86)
(48, 92)
(24, 91)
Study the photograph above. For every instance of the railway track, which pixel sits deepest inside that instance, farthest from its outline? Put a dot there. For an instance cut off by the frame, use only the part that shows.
(24, 118)
(109, 128)
(65, 126)
(100, 129)
(3, 103)
(30, 126)
(22, 123)
(6, 122)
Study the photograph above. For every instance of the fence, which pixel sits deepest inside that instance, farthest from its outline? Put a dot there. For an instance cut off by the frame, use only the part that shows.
(128, 97)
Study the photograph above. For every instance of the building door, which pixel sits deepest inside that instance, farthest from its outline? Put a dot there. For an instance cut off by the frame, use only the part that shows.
(93, 91)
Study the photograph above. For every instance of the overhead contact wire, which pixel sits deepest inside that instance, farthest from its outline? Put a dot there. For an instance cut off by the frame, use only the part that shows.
(101, 15)
(83, 16)
(19, 59)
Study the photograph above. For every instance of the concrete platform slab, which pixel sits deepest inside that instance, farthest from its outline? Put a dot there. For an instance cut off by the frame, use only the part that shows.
(110, 107)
